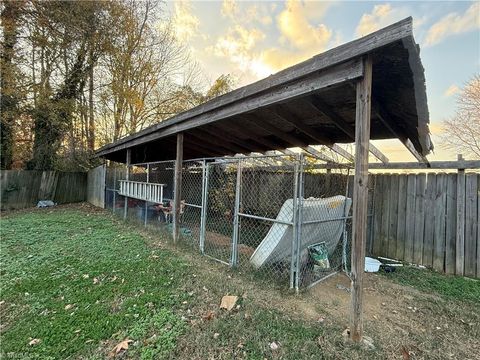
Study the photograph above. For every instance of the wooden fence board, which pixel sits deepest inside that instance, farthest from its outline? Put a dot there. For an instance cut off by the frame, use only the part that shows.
(424, 219)
(439, 225)
(420, 192)
(385, 216)
(450, 223)
(478, 226)
(96, 186)
(429, 220)
(471, 223)
(377, 214)
(460, 225)
(393, 217)
(24, 188)
(410, 218)
(401, 216)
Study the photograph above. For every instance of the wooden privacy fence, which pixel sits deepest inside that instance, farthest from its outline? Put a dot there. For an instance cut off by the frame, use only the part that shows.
(429, 219)
(24, 188)
(96, 186)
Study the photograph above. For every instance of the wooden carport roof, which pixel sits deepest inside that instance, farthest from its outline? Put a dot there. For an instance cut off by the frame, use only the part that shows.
(311, 103)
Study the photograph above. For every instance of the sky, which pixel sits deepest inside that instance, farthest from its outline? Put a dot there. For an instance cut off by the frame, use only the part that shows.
(253, 39)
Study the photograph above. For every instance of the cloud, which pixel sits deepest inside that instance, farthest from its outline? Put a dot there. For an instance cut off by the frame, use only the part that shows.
(294, 25)
(452, 90)
(454, 24)
(185, 23)
(255, 14)
(381, 16)
(238, 46)
(229, 8)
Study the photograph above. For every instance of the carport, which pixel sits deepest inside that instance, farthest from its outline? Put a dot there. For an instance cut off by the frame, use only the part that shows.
(367, 89)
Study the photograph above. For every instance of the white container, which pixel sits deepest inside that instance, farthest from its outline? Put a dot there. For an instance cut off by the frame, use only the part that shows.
(372, 265)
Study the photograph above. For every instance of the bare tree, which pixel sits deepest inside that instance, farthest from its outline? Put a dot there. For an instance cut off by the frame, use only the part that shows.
(462, 131)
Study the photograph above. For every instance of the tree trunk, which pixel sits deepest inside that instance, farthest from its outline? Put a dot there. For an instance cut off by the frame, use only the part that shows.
(91, 120)
(9, 99)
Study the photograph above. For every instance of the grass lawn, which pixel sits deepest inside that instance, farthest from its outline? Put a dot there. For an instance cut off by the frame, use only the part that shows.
(75, 282)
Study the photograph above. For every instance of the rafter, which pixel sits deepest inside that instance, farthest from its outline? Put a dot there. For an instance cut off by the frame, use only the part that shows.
(338, 120)
(380, 113)
(311, 132)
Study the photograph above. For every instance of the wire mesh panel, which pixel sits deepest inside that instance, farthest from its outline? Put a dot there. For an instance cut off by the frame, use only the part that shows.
(266, 218)
(113, 201)
(221, 180)
(159, 216)
(324, 213)
(191, 202)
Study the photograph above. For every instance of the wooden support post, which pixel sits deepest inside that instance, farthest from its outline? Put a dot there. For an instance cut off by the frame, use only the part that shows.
(128, 160)
(360, 198)
(460, 236)
(177, 187)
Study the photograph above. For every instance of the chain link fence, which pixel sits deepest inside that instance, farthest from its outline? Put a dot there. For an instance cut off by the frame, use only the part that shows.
(280, 219)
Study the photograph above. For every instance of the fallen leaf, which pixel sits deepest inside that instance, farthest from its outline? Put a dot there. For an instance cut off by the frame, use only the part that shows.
(405, 354)
(34, 342)
(68, 306)
(123, 345)
(210, 315)
(228, 302)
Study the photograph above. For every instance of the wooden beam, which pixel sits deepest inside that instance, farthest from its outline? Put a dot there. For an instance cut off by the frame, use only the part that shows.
(395, 32)
(395, 130)
(216, 149)
(177, 195)
(227, 136)
(360, 198)
(273, 130)
(203, 149)
(218, 143)
(268, 144)
(338, 74)
(443, 165)
(311, 132)
(317, 154)
(343, 125)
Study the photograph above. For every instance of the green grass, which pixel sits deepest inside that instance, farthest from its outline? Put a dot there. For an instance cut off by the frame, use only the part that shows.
(73, 279)
(449, 287)
(82, 282)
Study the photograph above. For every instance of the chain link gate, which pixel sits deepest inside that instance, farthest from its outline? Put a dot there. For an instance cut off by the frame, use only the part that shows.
(191, 205)
(220, 180)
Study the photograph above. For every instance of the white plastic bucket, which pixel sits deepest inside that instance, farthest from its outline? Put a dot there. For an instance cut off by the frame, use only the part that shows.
(372, 265)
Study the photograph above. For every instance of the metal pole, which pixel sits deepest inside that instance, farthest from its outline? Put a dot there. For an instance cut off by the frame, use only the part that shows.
(203, 216)
(114, 187)
(238, 188)
(294, 227)
(127, 175)
(146, 197)
(299, 223)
